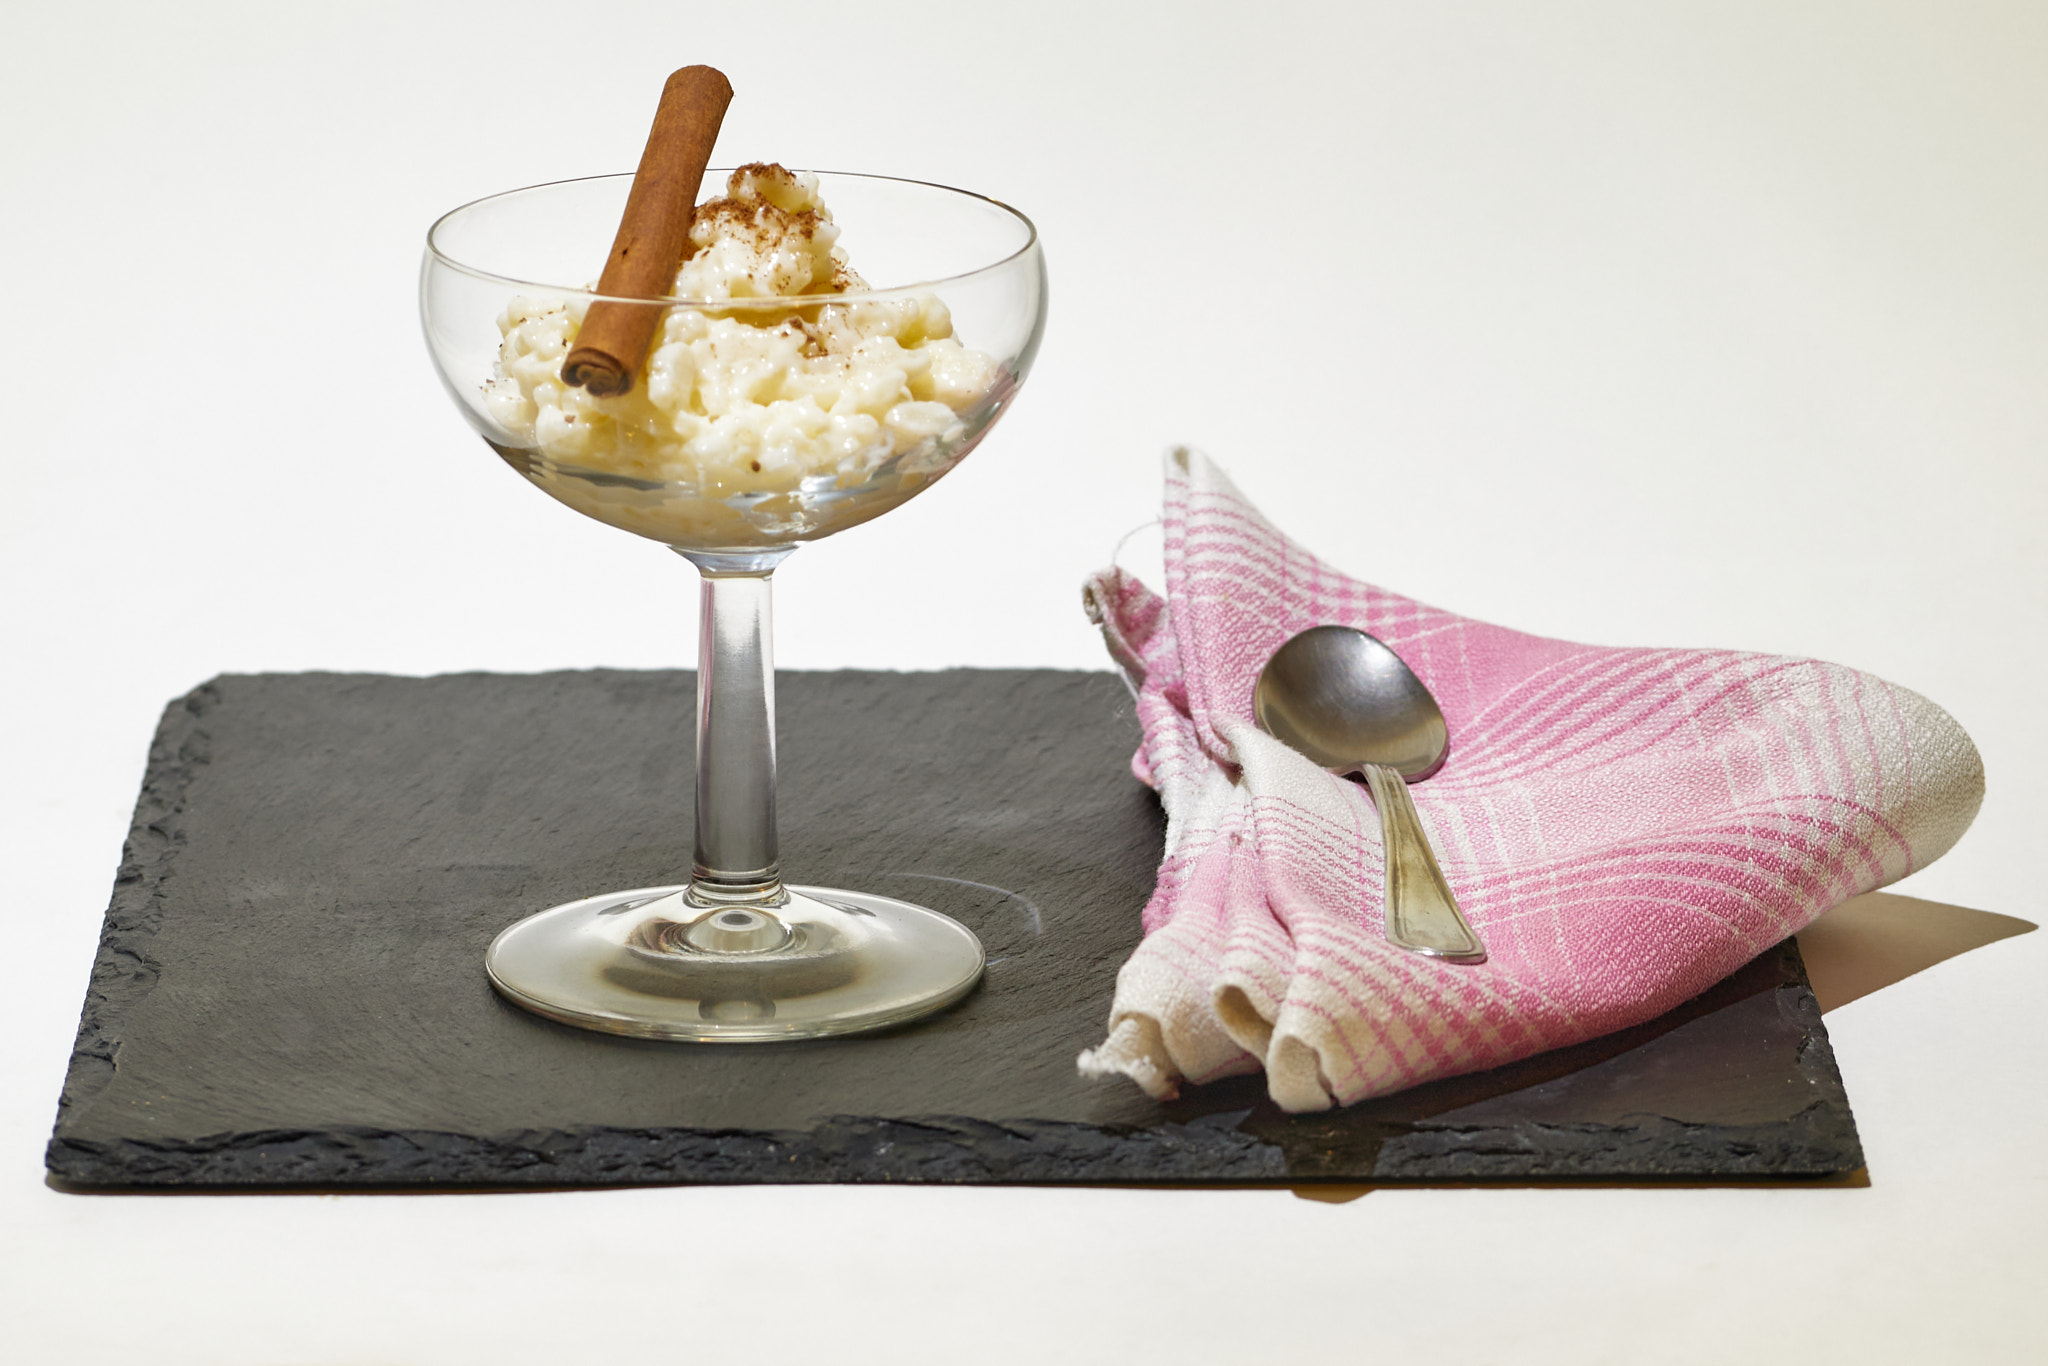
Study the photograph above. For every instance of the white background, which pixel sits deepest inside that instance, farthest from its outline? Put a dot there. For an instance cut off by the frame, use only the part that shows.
(1677, 324)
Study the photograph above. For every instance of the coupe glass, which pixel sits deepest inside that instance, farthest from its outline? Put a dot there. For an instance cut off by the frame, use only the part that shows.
(734, 954)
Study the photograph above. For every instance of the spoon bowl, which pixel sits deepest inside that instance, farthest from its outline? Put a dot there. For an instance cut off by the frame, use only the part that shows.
(1343, 699)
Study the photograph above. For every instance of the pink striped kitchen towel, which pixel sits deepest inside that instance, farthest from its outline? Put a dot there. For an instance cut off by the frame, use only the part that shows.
(1624, 828)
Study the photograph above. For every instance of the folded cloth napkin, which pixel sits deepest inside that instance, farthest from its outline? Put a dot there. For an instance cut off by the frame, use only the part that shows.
(1624, 828)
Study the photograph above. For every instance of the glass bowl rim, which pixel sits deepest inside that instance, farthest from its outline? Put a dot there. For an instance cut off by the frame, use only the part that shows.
(785, 301)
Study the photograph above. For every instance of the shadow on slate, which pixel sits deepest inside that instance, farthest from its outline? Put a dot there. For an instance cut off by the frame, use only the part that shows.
(290, 991)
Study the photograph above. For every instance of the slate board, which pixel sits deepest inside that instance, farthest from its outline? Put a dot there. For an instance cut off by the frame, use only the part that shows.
(290, 991)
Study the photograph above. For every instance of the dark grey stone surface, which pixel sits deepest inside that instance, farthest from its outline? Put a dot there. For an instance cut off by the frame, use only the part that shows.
(290, 992)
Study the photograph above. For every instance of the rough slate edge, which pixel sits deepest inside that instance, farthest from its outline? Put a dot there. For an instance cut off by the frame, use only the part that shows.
(123, 971)
(1256, 1144)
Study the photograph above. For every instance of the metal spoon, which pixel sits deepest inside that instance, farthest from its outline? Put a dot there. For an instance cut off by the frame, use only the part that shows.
(1347, 702)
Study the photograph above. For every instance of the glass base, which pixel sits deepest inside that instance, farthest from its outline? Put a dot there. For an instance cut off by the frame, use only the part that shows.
(657, 964)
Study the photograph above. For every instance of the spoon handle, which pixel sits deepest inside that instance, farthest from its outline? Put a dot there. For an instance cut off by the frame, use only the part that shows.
(1422, 915)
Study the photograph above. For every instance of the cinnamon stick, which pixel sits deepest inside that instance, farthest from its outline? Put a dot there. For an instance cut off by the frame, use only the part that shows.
(653, 234)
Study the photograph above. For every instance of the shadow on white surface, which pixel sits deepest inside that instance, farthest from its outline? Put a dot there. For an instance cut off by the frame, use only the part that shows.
(1871, 941)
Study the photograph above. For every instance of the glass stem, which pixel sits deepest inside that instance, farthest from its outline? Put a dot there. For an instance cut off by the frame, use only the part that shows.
(736, 857)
